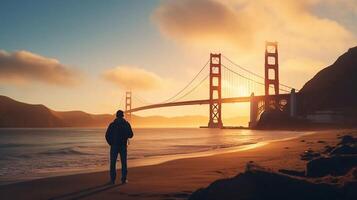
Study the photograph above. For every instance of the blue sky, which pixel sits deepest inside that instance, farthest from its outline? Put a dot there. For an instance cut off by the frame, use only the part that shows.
(90, 36)
(85, 34)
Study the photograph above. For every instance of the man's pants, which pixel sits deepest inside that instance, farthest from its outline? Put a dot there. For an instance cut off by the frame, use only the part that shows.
(114, 150)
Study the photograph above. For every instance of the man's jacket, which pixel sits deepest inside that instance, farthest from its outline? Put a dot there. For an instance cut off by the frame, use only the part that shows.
(118, 132)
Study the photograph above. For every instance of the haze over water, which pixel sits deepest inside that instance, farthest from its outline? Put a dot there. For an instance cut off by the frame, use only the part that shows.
(36, 153)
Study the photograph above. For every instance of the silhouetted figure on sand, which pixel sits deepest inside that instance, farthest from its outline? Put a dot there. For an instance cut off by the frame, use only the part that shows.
(117, 135)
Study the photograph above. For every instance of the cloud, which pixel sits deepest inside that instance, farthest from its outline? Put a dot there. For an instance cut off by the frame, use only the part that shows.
(245, 25)
(25, 67)
(349, 5)
(306, 33)
(133, 78)
(201, 20)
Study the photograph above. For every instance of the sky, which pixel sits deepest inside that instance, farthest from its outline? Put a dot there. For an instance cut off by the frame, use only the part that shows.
(84, 54)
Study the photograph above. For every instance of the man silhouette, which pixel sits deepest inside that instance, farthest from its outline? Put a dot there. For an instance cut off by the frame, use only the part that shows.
(117, 135)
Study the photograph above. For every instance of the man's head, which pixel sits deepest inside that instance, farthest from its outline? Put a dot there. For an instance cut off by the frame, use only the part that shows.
(120, 114)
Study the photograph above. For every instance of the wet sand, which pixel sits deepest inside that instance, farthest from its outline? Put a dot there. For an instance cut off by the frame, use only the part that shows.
(175, 179)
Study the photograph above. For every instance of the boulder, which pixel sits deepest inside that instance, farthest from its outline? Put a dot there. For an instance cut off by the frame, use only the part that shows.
(257, 183)
(344, 150)
(335, 165)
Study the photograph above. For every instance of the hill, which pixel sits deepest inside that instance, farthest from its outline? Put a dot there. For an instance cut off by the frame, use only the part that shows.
(18, 114)
(334, 87)
(15, 114)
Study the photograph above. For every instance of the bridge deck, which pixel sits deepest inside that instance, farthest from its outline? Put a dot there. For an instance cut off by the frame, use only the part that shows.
(204, 101)
(193, 102)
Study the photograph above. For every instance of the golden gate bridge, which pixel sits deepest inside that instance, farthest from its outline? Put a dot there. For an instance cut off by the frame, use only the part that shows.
(222, 78)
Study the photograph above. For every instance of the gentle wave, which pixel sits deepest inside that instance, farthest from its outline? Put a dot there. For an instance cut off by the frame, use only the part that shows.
(64, 151)
(14, 145)
(194, 149)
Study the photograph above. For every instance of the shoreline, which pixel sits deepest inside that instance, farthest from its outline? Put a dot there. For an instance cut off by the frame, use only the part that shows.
(150, 161)
(175, 178)
(160, 159)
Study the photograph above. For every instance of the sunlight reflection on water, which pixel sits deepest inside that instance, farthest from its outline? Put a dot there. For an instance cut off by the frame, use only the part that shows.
(35, 153)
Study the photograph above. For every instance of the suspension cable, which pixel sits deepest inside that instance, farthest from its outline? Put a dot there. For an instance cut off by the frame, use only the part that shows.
(140, 100)
(189, 92)
(244, 69)
(249, 78)
(195, 77)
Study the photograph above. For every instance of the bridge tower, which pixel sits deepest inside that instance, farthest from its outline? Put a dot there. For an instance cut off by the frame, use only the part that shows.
(271, 70)
(128, 106)
(215, 98)
(253, 111)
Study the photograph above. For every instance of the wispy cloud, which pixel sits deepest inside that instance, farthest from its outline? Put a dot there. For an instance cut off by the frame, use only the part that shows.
(245, 25)
(24, 66)
(133, 78)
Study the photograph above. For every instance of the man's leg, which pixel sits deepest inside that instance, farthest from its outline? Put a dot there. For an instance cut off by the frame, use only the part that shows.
(113, 161)
(123, 159)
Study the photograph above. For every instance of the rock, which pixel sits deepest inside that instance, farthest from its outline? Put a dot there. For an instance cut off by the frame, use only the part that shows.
(349, 190)
(347, 139)
(344, 150)
(292, 172)
(309, 155)
(335, 166)
(252, 166)
(328, 149)
(263, 184)
(354, 173)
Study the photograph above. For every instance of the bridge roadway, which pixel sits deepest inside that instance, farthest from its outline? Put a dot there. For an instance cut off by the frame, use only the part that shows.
(204, 101)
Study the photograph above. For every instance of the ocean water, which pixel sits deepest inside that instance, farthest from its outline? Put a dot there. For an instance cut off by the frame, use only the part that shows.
(27, 154)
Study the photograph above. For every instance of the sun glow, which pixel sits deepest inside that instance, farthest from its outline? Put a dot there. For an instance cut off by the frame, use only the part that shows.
(230, 90)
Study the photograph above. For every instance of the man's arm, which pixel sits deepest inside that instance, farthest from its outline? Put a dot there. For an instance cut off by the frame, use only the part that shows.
(130, 131)
(107, 135)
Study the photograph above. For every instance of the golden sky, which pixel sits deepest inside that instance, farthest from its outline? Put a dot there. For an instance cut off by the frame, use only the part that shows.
(69, 57)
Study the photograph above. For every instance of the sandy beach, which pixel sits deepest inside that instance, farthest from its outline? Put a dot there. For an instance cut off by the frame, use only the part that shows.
(175, 179)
